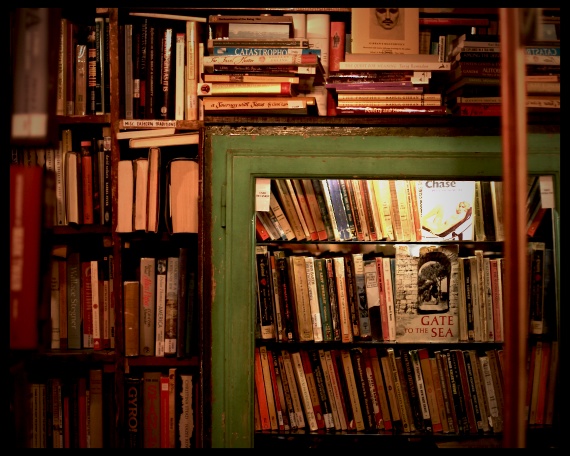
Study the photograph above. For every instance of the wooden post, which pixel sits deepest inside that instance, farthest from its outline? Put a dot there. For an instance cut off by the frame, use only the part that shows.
(514, 141)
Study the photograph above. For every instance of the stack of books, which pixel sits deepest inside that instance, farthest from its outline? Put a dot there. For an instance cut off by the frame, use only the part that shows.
(475, 76)
(255, 66)
(391, 84)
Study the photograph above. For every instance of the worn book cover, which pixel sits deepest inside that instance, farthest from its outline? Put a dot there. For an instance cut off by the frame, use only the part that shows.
(427, 293)
(385, 30)
(446, 209)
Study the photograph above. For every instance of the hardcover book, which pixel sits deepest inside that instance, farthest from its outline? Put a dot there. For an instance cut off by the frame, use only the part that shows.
(427, 293)
(385, 30)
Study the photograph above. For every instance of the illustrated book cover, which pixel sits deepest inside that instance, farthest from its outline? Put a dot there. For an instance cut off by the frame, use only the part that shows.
(427, 291)
(446, 209)
(385, 30)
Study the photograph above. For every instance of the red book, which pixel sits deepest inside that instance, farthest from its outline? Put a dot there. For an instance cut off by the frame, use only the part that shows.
(260, 231)
(337, 45)
(531, 231)
(312, 389)
(260, 389)
(391, 110)
(87, 182)
(86, 304)
(477, 109)
(26, 196)
(164, 412)
(543, 381)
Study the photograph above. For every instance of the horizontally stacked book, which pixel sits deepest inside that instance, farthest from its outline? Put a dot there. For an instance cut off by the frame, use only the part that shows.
(373, 84)
(255, 66)
(475, 78)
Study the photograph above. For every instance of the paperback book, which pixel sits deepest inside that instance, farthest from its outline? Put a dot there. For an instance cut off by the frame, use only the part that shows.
(427, 292)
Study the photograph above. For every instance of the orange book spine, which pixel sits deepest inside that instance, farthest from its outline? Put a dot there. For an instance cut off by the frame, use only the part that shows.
(260, 389)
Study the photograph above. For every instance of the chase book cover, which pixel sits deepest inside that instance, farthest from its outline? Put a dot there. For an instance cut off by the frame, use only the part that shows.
(446, 210)
(427, 292)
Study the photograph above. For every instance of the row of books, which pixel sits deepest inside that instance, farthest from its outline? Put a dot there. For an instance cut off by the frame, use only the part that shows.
(159, 409)
(159, 306)
(450, 391)
(150, 190)
(82, 301)
(396, 390)
(382, 209)
(82, 171)
(83, 82)
(422, 294)
(68, 412)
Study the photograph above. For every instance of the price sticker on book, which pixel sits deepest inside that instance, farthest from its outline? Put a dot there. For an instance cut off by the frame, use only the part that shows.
(547, 192)
(262, 194)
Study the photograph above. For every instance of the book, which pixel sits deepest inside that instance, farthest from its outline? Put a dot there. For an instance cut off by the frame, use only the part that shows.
(352, 295)
(365, 390)
(446, 209)
(87, 182)
(151, 409)
(337, 44)
(314, 207)
(340, 214)
(147, 312)
(248, 26)
(397, 97)
(495, 420)
(264, 299)
(380, 88)
(213, 44)
(164, 412)
(287, 205)
(182, 193)
(96, 304)
(248, 78)
(385, 30)
(343, 309)
(127, 65)
(382, 103)
(176, 17)
(131, 298)
(302, 207)
(180, 76)
(247, 88)
(260, 391)
(431, 301)
(423, 358)
(264, 60)
(177, 139)
(268, 385)
(95, 408)
(280, 406)
(161, 266)
(295, 394)
(35, 39)
(54, 304)
(258, 105)
(185, 407)
(86, 303)
(125, 196)
(153, 189)
(140, 176)
(315, 383)
(536, 268)
(373, 299)
(401, 65)
(171, 307)
(391, 110)
(301, 301)
(303, 387)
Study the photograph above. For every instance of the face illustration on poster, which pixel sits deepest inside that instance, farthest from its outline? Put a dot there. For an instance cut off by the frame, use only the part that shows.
(387, 23)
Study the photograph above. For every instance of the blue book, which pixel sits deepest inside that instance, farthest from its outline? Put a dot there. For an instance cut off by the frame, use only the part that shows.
(339, 210)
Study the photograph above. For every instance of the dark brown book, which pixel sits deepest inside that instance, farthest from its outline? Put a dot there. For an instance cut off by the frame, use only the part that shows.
(457, 392)
(133, 408)
(341, 377)
(352, 294)
(319, 378)
(466, 391)
(166, 68)
(365, 394)
(333, 299)
(445, 382)
(413, 393)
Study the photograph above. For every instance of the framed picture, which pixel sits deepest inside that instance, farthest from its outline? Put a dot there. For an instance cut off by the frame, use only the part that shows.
(385, 30)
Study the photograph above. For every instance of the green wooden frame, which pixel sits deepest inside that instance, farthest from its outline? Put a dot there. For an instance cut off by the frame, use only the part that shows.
(232, 164)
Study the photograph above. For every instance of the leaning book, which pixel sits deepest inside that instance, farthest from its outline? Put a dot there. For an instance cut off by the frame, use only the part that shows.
(446, 209)
(427, 291)
(385, 30)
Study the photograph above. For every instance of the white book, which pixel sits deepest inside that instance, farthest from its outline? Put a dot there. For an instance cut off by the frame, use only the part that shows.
(179, 139)
(150, 133)
(179, 83)
(125, 193)
(313, 299)
(161, 265)
(171, 306)
(141, 192)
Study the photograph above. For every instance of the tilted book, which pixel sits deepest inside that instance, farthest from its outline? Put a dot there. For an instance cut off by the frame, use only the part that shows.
(446, 209)
(427, 293)
(385, 30)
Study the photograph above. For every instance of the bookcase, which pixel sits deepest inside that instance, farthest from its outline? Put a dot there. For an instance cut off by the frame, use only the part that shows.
(234, 152)
(238, 155)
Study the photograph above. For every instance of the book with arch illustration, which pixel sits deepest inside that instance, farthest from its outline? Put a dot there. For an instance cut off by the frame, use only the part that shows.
(427, 292)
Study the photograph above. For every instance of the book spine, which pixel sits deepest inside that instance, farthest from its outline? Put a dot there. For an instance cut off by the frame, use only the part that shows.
(179, 76)
(151, 409)
(164, 412)
(301, 298)
(337, 45)
(280, 407)
(161, 267)
(62, 68)
(385, 419)
(352, 295)
(422, 390)
(390, 110)
(287, 393)
(171, 307)
(362, 304)
(365, 393)
(100, 102)
(295, 395)
(301, 379)
(269, 392)
(91, 70)
(305, 212)
(265, 306)
(342, 299)
(323, 208)
(147, 306)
